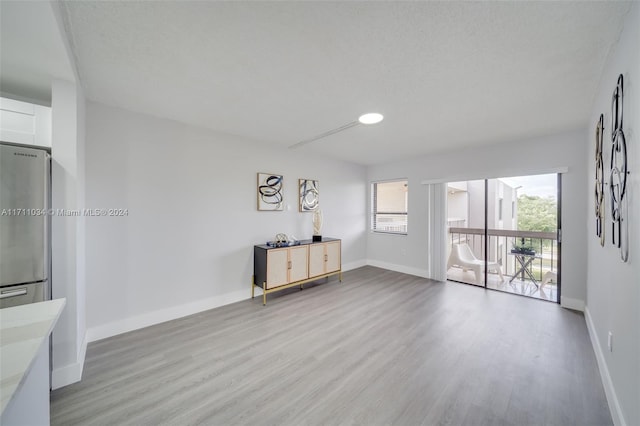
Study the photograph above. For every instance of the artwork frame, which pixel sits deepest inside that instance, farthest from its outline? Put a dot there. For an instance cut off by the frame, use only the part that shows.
(269, 192)
(308, 195)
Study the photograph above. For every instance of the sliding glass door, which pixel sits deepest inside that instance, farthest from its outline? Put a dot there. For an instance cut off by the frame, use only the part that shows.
(502, 234)
(466, 231)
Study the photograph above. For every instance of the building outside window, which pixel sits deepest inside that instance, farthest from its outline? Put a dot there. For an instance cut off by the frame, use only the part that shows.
(389, 206)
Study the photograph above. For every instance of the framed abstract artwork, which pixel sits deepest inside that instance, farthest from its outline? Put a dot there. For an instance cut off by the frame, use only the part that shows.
(269, 190)
(308, 192)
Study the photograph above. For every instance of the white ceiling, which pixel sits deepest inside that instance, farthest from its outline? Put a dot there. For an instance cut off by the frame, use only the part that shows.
(32, 50)
(446, 75)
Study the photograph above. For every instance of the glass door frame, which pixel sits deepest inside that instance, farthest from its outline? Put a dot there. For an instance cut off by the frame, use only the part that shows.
(559, 238)
(558, 241)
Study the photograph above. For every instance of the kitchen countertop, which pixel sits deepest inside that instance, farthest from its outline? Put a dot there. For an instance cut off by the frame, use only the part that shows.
(24, 330)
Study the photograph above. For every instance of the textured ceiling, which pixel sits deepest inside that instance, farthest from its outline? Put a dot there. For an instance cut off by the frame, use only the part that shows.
(446, 75)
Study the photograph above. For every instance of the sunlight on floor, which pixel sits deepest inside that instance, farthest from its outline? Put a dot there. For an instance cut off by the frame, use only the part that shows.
(517, 286)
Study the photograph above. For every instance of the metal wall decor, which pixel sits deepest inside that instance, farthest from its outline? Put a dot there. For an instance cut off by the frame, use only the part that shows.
(618, 175)
(600, 181)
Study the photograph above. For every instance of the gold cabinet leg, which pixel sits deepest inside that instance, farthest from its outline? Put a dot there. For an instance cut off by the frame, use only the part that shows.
(253, 286)
(301, 286)
(340, 276)
(264, 293)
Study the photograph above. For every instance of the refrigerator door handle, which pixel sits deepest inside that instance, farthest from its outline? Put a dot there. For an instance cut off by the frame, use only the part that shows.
(13, 293)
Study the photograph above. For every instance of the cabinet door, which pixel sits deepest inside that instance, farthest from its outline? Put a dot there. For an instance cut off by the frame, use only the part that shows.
(298, 264)
(25, 123)
(277, 267)
(316, 260)
(332, 256)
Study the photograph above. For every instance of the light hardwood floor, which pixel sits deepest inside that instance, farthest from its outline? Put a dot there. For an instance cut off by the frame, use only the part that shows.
(380, 348)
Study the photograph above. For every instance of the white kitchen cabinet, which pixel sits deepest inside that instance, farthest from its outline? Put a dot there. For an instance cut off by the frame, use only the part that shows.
(25, 123)
(24, 351)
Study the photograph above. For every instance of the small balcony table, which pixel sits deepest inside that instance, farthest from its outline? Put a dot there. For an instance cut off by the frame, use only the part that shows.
(524, 261)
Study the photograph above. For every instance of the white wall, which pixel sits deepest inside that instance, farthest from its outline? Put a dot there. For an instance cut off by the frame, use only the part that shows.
(509, 197)
(476, 204)
(187, 242)
(613, 287)
(81, 238)
(458, 207)
(67, 233)
(562, 151)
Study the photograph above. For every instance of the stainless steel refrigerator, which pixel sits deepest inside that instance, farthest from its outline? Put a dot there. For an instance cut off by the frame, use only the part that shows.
(25, 176)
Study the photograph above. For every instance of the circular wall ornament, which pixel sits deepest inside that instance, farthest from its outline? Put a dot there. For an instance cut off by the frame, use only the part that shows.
(618, 174)
(599, 181)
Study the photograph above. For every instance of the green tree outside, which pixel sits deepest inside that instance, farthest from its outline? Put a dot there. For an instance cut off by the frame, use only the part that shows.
(537, 213)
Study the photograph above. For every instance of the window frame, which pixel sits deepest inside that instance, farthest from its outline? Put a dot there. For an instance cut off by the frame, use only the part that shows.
(373, 212)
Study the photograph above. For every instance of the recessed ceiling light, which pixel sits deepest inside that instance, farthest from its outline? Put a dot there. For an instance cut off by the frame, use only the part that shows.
(370, 118)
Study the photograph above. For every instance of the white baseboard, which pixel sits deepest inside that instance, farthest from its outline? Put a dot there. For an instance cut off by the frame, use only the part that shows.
(569, 303)
(71, 373)
(163, 315)
(399, 268)
(354, 265)
(609, 390)
(174, 312)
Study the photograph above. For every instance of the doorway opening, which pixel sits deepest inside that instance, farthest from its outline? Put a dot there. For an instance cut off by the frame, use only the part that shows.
(503, 234)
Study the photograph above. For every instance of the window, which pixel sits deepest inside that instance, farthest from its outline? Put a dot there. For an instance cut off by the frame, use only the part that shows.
(389, 206)
(513, 210)
(500, 209)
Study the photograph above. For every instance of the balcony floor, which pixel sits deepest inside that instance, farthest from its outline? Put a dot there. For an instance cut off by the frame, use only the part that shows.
(526, 288)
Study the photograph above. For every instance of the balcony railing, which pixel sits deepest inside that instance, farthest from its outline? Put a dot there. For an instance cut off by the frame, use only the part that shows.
(501, 241)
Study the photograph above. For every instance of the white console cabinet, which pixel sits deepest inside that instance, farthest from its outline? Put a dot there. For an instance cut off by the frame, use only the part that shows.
(324, 258)
(277, 268)
(286, 265)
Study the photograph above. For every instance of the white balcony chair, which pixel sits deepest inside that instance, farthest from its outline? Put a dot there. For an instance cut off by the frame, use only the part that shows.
(548, 277)
(462, 256)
